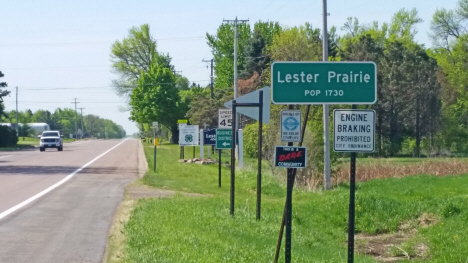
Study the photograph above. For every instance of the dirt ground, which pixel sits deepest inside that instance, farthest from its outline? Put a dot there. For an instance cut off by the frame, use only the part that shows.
(391, 247)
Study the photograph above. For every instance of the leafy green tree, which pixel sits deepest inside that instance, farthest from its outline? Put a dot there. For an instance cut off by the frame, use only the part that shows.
(133, 56)
(423, 103)
(408, 91)
(182, 83)
(358, 46)
(255, 52)
(222, 48)
(402, 26)
(25, 130)
(297, 44)
(65, 120)
(46, 116)
(202, 107)
(156, 98)
(3, 93)
(450, 36)
(449, 25)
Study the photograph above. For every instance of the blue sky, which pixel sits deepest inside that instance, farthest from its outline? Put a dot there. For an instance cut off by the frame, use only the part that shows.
(55, 51)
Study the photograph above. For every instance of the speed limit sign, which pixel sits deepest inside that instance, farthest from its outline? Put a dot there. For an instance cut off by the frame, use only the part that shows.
(224, 119)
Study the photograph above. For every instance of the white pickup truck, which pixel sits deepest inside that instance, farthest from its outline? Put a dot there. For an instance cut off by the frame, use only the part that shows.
(51, 139)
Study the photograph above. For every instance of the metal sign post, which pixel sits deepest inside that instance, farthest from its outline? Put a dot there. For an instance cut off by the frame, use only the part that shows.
(293, 176)
(219, 167)
(353, 131)
(155, 125)
(288, 208)
(181, 123)
(352, 198)
(223, 141)
(259, 170)
(292, 158)
(155, 147)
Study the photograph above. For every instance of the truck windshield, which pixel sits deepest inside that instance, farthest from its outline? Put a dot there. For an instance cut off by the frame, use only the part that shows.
(50, 134)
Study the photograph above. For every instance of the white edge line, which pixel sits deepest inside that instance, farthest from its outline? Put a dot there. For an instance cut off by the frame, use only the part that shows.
(5, 156)
(33, 198)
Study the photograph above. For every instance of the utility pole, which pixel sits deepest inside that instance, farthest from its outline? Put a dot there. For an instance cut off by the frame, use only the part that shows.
(82, 128)
(211, 75)
(235, 69)
(235, 51)
(326, 119)
(175, 72)
(75, 115)
(17, 110)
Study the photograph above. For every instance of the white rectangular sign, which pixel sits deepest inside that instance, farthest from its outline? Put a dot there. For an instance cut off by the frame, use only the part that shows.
(353, 130)
(188, 135)
(224, 119)
(291, 125)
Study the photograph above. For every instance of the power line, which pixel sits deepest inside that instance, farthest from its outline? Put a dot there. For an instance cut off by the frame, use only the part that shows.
(91, 43)
(101, 87)
(66, 101)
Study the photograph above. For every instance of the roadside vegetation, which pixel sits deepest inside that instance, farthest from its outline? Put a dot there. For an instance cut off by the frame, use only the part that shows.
(418, 218)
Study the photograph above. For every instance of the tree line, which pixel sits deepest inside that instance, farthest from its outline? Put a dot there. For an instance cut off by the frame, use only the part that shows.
(422, 106)
(64, 121)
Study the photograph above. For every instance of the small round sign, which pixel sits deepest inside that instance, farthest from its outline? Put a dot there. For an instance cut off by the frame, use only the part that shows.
(290, 123)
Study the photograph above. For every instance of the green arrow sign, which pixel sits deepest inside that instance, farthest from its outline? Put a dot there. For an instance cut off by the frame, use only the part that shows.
(324, 82)
(223, 139)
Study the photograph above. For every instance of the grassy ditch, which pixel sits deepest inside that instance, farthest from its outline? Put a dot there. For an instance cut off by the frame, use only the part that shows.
(419, 218)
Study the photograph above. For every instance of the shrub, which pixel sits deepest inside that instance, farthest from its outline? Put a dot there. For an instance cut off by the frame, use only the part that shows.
(251, 139)
(7, 136)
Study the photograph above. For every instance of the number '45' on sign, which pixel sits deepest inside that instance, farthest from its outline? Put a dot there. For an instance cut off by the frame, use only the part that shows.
(223, 122)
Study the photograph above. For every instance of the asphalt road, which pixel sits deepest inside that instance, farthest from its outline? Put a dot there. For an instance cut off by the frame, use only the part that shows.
(54, 210)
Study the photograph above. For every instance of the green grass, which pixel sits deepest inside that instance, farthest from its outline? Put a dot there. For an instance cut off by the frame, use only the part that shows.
(28, 141)
(403, 160)
(200, 229)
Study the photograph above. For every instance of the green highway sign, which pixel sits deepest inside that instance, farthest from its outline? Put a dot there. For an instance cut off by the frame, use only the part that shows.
(323, 82)
(223, 139)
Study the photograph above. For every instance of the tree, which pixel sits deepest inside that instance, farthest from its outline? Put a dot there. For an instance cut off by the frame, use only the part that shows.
(403, 24)
(449, 25)
(362, 47)
(202, 107)
(156, 98)
(182, 83)
(133, 57)
(3, 93)
(25, 130)
(255, 52)
(222, 48)
(65, 120)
